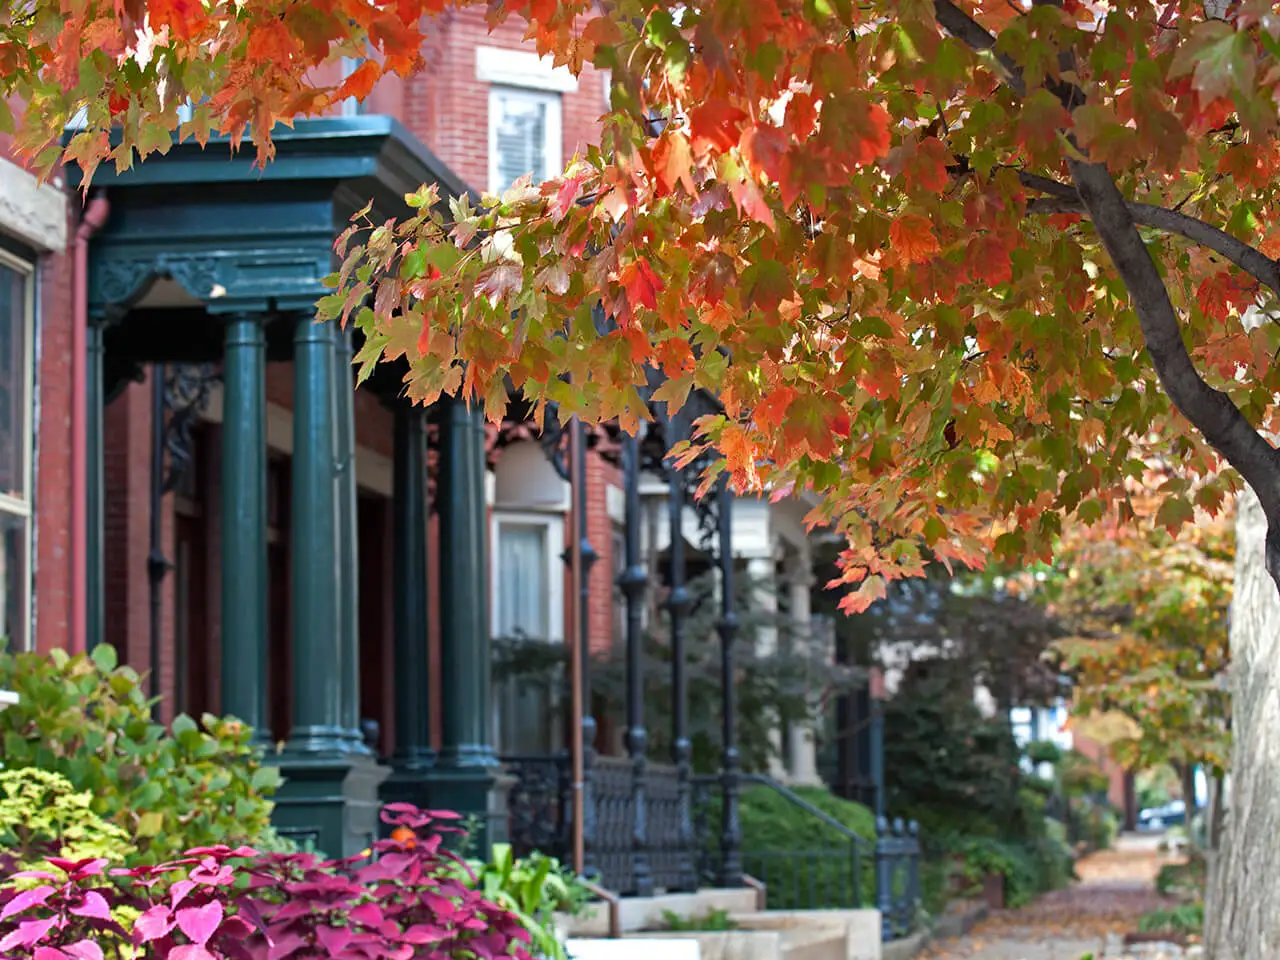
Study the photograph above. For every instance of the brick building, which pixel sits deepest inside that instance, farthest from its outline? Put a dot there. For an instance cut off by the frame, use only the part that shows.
(219, 504)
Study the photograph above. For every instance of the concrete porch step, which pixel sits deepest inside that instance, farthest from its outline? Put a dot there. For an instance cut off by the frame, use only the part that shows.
(760, 934)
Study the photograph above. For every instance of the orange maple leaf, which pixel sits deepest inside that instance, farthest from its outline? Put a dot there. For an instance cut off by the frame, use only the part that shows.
(642, 284)
(673, 161)
(715, 125)
(911, 236)
(360, 82)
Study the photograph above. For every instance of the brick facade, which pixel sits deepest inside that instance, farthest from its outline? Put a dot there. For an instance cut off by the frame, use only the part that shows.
(446, 106)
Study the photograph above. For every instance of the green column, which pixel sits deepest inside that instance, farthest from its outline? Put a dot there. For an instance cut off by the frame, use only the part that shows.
(95, 531)
(318, 660)
(464, 776)
(330, 793)
(348, 543)
(244, 524)
(413, 755)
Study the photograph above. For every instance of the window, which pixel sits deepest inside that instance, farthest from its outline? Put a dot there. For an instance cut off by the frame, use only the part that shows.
(528, 602)
(524, 135)
(528, 576)
(16, 370)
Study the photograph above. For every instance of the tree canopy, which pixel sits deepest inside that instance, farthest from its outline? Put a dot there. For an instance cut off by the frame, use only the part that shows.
(1147, 615)
(961, 267)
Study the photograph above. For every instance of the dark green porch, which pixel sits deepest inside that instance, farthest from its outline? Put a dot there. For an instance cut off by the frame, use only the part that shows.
(205, 259)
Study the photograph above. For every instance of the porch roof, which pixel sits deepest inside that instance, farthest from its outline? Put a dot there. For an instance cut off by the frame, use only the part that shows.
(233, 238)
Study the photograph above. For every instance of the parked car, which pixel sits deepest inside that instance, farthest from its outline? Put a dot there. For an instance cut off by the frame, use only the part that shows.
(1157, 818)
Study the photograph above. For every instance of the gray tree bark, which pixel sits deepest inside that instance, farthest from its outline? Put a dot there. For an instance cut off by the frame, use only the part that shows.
(1242, 911)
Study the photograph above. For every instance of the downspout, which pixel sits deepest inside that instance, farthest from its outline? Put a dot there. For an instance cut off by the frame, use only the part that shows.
(93, 217)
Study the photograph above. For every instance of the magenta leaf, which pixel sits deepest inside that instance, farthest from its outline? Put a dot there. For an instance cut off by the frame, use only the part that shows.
(333, 939)
(154, 924)
(200, 923)
(25, 901)
(84, 950)
(367, 913)
(190, 951)
(94, 906)
(179, 891)
(49, 953)
(29, 933)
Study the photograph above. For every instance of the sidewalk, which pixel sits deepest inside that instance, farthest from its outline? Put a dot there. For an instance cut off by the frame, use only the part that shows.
(1116, 887)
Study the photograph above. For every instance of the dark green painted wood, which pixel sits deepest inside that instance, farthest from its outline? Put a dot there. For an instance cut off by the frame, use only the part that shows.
(317, 649)
(95, 533)
(244, 525)
(464, 621)
(409, 568)
(348, 542)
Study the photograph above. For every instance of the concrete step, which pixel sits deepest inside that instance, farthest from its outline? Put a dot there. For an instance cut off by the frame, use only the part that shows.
(760, 935)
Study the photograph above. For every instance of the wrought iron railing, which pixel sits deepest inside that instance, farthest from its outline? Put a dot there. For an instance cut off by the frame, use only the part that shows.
(540, 805)
(540, 817)
(847, 872)
(897, 858)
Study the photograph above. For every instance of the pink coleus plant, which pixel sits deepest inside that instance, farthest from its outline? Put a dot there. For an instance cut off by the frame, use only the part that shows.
(408, 901)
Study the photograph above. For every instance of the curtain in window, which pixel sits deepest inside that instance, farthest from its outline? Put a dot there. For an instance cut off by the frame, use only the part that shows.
(521, 139)
(522, 581)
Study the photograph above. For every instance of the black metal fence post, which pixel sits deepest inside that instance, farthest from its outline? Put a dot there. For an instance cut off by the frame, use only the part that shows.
(913, 871)
(587, 558)
(731, 830)
(632, 581)
(884, 878)
(677, 607)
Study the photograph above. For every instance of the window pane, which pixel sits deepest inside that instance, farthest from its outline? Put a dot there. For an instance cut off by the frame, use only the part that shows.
(520, 138)
(13, 381)
(14, 615)
(522, 581)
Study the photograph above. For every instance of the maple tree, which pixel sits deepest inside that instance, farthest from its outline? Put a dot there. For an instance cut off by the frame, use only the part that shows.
(1148, 615)
(956, 265)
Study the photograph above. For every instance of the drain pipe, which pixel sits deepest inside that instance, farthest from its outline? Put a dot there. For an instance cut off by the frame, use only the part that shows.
(93, 217)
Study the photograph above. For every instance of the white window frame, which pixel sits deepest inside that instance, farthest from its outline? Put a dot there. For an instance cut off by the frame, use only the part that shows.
(21, 506)
(553, 142)
(554, 527)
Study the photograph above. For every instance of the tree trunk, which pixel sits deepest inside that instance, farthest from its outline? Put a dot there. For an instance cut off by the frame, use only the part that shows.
(1242, 914)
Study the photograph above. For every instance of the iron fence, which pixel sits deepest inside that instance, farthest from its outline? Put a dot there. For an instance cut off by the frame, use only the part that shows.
(848, 872)
(540, 817)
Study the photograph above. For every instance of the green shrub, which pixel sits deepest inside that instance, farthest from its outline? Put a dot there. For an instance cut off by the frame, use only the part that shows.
(1043, 751)
(1185, 918)
(90, 721)
(42, 815)
(1182, 879)
(711, 921)
(802, 860)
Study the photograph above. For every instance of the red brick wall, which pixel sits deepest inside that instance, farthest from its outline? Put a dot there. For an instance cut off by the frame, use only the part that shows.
(1099, 754)
(448, 108)
(52, 553)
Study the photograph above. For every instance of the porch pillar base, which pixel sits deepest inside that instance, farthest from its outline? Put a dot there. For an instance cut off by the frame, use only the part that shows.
(330, 804)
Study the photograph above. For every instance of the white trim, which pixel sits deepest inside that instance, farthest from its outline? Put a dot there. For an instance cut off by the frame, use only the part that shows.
(522, 68)
(8, 698)
(21, 506)
(373, 470)
(34, 212)
(553, 143)
(554, 524)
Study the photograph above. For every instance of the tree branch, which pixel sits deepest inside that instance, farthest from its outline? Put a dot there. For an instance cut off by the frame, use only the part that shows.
(1211, 411)
(1252, 261)
(975, 36)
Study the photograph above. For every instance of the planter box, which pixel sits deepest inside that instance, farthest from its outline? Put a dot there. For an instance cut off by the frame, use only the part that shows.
(993, 891)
